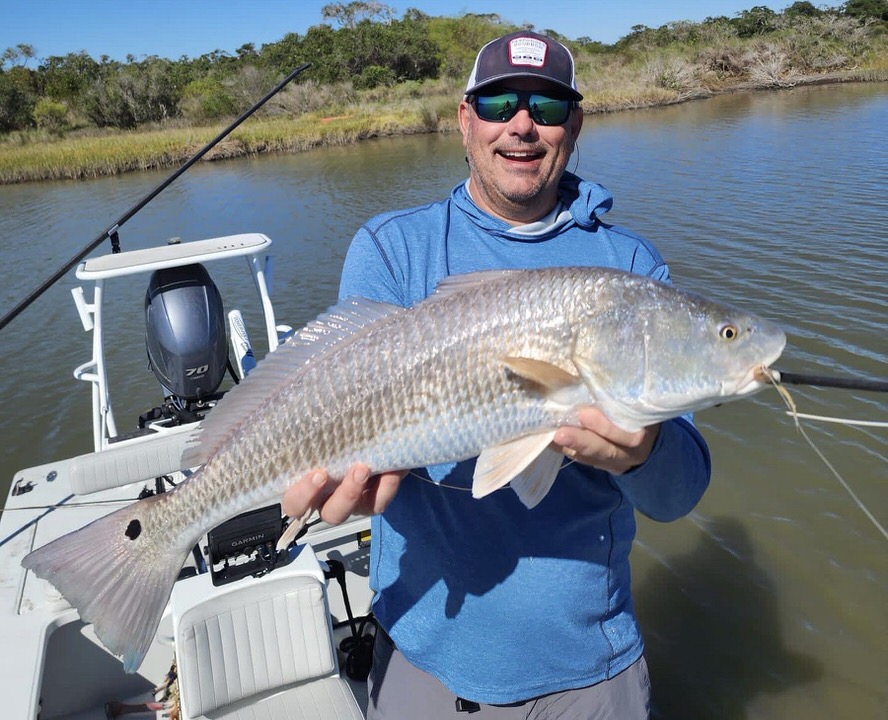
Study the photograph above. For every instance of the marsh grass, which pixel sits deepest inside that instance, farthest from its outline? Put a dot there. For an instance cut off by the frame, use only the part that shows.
(302, 117)
(698, 61)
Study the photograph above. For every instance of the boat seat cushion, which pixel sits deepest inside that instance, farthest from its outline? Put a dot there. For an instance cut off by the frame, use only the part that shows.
(265, 645)
(325, 699)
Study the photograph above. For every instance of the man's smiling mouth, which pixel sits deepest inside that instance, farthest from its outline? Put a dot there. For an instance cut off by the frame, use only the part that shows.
(520, 156)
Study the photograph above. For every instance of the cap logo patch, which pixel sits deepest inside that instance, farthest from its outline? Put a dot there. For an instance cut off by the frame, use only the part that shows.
(527, 51)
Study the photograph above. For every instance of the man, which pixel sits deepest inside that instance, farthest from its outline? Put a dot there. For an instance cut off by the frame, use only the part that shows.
(486, 606)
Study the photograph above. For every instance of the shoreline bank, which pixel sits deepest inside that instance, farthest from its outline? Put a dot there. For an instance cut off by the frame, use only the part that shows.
(104, 155)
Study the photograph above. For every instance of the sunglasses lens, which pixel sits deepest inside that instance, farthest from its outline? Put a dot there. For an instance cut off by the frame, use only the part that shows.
(497, 108)
(501, 108)
(548, 111)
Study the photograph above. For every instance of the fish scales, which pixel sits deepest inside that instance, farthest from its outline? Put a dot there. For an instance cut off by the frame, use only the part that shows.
(490, 365)
(444, 367)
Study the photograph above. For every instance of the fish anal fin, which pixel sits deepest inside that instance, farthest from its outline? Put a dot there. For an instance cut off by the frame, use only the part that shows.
(498, 465)
(540, 372)
(534, 482)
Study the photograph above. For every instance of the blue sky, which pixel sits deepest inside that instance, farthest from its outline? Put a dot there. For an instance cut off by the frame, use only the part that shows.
(172, 28)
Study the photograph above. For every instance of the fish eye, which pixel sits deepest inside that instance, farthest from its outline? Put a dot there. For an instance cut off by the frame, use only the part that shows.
(728, 332)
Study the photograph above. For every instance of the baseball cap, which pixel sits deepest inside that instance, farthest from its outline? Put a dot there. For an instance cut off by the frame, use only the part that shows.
(524, 54)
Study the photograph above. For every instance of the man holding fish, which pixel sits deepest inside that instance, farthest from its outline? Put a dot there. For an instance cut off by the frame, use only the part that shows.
(485, 605)
(504, 336)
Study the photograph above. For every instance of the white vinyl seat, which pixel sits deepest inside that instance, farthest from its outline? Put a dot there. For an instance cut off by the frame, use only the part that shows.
(262, 650)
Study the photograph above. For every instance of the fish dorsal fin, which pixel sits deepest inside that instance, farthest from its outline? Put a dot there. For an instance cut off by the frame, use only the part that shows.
(458, 283)
(340, 325)
(540, 372)
(496, 466)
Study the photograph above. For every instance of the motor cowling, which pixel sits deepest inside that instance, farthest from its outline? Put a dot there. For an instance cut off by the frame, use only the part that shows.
(185, 331)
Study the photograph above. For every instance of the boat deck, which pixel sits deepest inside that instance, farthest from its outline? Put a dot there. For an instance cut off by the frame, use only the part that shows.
(47, 633)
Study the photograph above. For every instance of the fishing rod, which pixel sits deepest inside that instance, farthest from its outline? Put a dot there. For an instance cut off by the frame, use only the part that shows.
(846, 383)
(110, 233)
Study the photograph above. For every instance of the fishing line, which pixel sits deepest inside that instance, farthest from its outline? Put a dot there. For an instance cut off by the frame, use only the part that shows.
(87, 503)
(576, 152)
(33, 521)
(774, 378)
(568, 462)
(841, 421)
(411, 473)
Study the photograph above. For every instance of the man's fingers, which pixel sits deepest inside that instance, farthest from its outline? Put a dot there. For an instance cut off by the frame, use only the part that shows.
(387, 485)
(581, 444)
(345, 499)
(600, 443)
(304, 494)
(357, 494)
(591, 418)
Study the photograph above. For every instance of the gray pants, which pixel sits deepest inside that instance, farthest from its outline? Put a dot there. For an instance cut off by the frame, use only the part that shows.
(400, 691)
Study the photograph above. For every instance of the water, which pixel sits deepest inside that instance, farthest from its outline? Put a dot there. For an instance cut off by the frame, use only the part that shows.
(769, 600)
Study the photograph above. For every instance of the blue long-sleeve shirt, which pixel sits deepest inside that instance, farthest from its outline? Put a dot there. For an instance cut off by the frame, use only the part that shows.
(499, 602)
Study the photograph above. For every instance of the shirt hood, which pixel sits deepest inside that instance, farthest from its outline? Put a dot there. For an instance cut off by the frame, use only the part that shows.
(585, 200)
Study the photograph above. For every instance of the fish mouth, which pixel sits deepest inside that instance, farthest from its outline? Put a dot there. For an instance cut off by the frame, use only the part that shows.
(759, 376)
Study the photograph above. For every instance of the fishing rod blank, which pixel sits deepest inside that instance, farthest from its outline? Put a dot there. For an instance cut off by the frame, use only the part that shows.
(834, 382)
(111, 232)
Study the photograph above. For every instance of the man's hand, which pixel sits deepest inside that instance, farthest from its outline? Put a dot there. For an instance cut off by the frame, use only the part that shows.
(600, 443)
(357, 494)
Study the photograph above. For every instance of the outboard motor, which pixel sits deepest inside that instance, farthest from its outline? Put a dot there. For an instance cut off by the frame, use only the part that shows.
(185, 333)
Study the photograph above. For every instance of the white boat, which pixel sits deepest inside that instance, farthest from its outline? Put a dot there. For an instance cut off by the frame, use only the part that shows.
(247, 627)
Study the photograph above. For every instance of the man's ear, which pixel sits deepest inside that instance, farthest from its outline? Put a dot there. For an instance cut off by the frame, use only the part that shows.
(463, 113)
(576, 122)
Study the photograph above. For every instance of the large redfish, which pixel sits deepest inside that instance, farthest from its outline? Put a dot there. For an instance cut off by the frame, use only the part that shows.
(489, 366)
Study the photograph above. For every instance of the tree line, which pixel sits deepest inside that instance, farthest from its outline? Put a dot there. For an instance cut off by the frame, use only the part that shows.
(361, 43)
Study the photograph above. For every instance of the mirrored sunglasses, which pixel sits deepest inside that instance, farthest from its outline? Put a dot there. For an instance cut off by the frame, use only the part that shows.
(503, 106)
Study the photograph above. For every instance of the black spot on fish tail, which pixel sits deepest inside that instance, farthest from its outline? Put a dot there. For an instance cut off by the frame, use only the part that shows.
(134, 529)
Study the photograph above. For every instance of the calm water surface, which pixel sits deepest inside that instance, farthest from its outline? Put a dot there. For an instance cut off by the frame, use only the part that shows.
(769, 601)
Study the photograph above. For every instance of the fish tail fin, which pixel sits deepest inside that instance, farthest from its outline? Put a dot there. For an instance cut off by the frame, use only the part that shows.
(118, 572)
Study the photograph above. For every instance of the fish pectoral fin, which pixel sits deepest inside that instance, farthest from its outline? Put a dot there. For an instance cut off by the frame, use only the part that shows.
(498, 465)
(549, 376)
(590, 373)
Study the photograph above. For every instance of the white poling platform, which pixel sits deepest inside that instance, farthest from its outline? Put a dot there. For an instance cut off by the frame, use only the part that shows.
(164, 256)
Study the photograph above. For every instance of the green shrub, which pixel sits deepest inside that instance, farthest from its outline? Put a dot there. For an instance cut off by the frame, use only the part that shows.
(50, 115)
(206, 99)
(373, 76)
